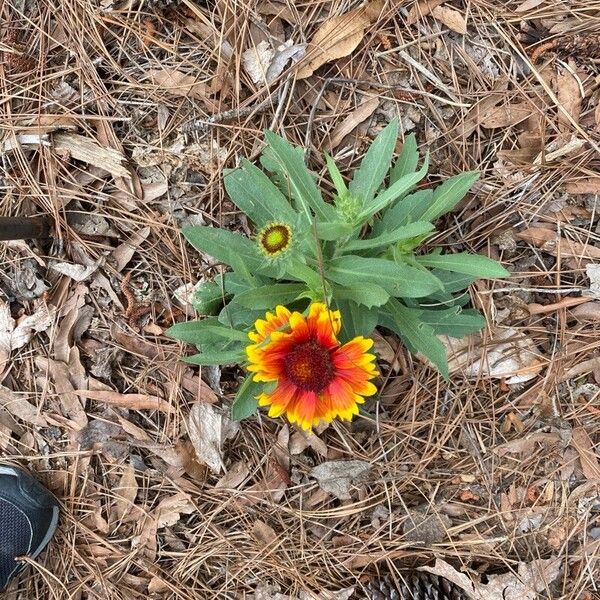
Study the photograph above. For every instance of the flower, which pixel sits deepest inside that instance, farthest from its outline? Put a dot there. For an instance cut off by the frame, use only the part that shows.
(317, 378)
(274, 239)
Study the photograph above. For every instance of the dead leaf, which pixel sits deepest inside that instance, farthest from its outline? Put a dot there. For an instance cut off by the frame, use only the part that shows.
(134, 431)
(336, 477)
(18, 406)
(125, 492)
(15, 335)
(338, 37)
(177, 83)
(264, 534)
(425, 530)
(77, 273)
(451, 18)
(58, 372)
(528, 444)
(89, 151)
(123, 253)
(587, 312)
(593, 272)
(505, 115)
(355, 118)
(509, 354)
(129, 401)
(568, 91)
(284, 53)
(528, 5)
(170, 509)
(256, 61)
(234, 478)
(301, 440)
(421, 9)
(548, 241)
(208, 429)
(589, 460)
(531, 579)
(590, 185)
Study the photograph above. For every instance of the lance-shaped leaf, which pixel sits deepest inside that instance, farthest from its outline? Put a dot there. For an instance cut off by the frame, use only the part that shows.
(257, 196)
(417, 335)
(301, 183)
(375, 165)
(449, 194)
(389, 195)
(463, 262)
(399, 234)
(407, 160)
(397, 279)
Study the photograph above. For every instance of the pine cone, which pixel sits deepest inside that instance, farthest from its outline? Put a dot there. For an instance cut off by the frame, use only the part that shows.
(416, 585)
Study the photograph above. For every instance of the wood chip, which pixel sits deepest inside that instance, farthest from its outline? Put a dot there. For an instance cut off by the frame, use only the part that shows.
(89, 151)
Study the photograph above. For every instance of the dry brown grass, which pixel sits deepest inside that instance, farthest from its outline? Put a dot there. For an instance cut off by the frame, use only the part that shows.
(436, 447)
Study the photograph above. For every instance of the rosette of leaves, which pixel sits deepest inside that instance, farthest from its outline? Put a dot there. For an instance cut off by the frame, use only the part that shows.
(359, 252)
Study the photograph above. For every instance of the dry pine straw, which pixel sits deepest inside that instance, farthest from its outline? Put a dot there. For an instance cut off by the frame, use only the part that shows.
(510, 469)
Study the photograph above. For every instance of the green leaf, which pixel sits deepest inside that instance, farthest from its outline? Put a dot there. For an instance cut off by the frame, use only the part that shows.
(333, 230)
(407, 210)
(406, 232)
(336, 176)
(375, 165)
(302, 185)
(453, 282)
(475, 265)
(203, 331)
(257, 196)
(385, 198)
(268, 296)
(356, 320)
(397, 279)
(449, 194)
(228, 357)
(230, 248)
(237, 316)
(208, 297)
(367, 294)
(454, 322)
(416, 335)
(300, 271)
(407, 159)
(245, 402)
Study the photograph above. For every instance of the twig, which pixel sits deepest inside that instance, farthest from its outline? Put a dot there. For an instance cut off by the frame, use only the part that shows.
(234, 114)
(540, 309)
(519, 288)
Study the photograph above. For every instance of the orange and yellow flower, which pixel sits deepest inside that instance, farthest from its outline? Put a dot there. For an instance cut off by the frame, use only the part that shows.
(317, 378)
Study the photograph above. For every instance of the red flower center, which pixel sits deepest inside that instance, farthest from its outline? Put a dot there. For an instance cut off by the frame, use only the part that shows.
(309, 367)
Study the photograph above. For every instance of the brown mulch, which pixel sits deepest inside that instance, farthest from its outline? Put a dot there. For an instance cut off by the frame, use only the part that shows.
(117, 119)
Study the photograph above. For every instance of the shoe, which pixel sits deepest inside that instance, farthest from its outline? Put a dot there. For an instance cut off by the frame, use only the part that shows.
(28, 519)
